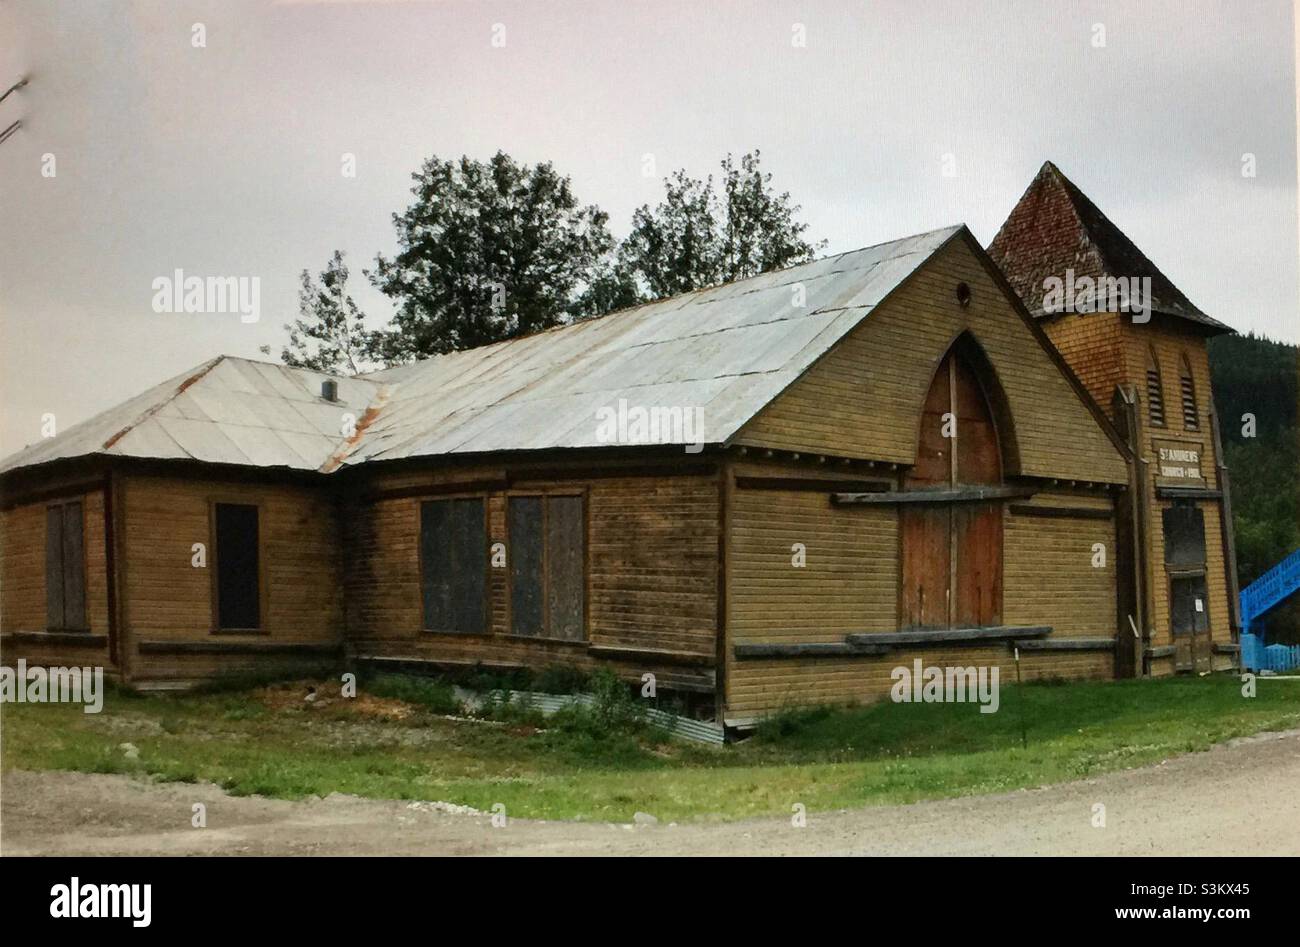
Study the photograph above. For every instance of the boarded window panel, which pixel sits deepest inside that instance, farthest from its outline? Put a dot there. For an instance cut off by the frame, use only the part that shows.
(238, 581)
(926, 560)
(54, 567)
(435, 564)
(526, 558)
(933, 467)
(74, 568)
(925, 529)
(979, 459)
(1184, 529)
(469, 547)
(565, 558)
(453, 547)
(977, 529)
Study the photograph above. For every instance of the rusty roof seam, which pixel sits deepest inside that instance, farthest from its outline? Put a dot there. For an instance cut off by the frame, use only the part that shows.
(187, 383)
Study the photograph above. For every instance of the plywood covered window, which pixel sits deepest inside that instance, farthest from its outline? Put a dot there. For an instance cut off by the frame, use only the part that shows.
(238, 567)
(453, 565)
(547, 555)
(1187, 388)
(952, 551)
(65, 567)
(1183, 525)
(1155, 390)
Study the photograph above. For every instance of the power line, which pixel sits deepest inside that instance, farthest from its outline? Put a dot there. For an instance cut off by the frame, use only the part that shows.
(14, 88)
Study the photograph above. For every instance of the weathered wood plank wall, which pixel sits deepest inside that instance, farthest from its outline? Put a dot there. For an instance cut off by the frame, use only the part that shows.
(170, 602)
(652, 546)
(22, 579)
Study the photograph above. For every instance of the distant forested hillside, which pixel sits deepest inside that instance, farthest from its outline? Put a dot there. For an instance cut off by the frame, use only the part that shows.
(1254, 375)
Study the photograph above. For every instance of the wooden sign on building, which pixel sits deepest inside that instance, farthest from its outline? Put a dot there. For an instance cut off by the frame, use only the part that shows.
(1178, 463)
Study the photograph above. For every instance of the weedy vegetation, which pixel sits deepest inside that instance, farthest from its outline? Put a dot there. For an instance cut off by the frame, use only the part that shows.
(416, 738)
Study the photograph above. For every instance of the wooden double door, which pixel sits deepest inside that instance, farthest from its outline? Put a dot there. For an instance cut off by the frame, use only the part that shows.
(951, 553)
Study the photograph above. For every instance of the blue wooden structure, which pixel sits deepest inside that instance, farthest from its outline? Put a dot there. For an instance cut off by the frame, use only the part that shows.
(1270, 589)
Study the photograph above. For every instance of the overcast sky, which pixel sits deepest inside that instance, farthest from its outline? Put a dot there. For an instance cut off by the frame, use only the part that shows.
(226, 160)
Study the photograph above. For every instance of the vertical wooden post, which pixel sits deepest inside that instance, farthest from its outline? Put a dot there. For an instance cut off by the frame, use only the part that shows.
(1227, 529)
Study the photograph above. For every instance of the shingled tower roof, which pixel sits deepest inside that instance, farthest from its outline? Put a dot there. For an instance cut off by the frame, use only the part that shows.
(1055, 227)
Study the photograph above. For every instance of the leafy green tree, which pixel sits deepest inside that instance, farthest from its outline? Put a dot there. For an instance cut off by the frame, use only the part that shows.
(329, 334)
(489, 251)
(699, 236)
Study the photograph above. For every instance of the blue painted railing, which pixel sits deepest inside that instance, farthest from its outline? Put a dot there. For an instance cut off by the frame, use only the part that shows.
(1274, 586)
(1257, 656)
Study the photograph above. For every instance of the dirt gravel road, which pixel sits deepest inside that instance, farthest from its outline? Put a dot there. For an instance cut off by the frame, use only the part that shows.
(1201, 804)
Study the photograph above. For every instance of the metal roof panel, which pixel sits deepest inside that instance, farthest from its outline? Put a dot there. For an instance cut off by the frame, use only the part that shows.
(726, 350)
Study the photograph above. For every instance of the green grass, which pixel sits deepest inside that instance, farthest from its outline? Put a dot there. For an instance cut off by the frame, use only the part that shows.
(269, 742)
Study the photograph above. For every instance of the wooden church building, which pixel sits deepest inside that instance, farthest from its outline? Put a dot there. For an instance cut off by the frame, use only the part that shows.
(1150, 372)
(768, 493)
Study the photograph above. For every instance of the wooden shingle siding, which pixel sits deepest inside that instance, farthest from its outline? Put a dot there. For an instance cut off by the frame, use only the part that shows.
(1093, 345)
(864, 398)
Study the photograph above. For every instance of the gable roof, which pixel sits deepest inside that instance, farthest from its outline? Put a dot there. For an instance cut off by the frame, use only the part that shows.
(1055, 227)
(728, 351)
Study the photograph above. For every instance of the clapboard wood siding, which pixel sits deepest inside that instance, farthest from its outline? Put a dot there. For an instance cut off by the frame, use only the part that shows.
(850, 583)
(169, 600)
(864, 398)
(762, 687)
(22, 578)
(651, 577)
(1050, 578)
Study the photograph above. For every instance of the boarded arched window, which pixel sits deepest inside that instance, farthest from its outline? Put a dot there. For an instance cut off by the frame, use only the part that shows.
(1187, 387)
(1155, 391)
(952, 548)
